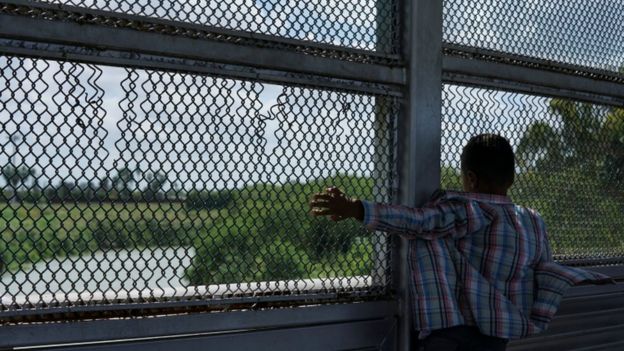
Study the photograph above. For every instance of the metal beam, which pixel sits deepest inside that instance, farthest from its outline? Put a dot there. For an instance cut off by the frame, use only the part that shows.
(525, 79)
(173, 300)
(145, 61)
(23, 6)
(343, 336)
(97, 330)
(616, 271)
(127, 40)
(420, 133)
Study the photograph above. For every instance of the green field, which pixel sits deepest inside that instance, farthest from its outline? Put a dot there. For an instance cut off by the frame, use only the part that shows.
(33, 232)
(264, 232)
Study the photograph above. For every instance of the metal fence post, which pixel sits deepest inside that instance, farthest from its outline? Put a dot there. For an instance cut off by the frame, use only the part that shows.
(419, 131)
(383, 128)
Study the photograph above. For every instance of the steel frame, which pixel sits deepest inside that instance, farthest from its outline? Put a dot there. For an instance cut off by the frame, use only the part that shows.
(419, 133)
(112, 46)
(176, 299)
(195, 323)
(417, 75)
(146, 61)
(531, 80)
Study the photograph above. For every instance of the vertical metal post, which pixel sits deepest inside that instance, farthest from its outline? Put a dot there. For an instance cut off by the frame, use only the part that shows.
(385, 23)
(419, 133)
(382, 186)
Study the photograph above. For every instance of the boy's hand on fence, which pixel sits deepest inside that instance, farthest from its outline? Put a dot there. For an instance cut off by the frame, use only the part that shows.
(336, 205)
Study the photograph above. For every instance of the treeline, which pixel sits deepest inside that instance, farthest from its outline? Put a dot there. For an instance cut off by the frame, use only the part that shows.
(23, 186)
(572, 172)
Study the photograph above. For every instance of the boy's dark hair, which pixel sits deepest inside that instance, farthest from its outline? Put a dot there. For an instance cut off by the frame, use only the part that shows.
(491, 158)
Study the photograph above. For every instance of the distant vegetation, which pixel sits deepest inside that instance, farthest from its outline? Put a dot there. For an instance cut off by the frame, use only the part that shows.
(572, 174)
(267, 233)
(260, 232)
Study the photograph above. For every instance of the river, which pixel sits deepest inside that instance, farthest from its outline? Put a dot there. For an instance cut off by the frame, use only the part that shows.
(101, 271)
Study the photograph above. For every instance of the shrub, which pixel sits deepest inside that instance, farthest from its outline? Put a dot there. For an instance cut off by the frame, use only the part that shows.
(282, 260)
(207, 200)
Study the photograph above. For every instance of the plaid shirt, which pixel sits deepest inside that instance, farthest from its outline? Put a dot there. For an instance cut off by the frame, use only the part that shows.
(481, 261)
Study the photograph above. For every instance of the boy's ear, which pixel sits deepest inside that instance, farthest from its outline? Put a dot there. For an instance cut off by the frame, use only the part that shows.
(473, 180)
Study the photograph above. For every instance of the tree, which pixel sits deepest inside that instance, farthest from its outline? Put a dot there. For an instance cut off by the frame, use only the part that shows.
(573, 174)
(174, 191)
(18, 178)
(124, 182)
(614, 162)
(103, 191)
(155, 184)
(64, 190)
(588, 138)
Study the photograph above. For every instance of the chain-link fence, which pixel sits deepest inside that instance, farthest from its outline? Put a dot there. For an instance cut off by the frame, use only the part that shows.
(367, 25)
(134, 186)
(570, 163)
(130, 189)
(570, 153)
(578, 32)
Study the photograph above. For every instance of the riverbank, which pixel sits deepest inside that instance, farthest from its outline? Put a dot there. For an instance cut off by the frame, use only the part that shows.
(120, 270)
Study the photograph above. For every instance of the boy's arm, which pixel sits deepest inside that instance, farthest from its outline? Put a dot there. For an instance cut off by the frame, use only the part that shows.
(454, 218)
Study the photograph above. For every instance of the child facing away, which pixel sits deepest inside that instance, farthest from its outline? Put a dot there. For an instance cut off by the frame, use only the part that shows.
(482, 272)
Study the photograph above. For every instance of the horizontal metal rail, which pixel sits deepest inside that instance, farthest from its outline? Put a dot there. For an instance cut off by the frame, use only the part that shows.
(145, 61)
(111, 329)
(104, 37)
(364, 335)
(172, 299)
(614, 271)
(186, 28)
(526, 75)
(593, 262)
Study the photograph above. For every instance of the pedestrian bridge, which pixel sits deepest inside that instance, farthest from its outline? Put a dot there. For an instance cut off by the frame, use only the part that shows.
(158, 157)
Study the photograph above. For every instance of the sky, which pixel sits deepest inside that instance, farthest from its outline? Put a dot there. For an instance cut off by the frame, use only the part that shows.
(347, 23)
(237, 129)
(80, 122)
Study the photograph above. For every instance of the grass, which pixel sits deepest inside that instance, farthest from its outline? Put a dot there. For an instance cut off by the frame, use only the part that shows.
(264, 220)
(32, 232)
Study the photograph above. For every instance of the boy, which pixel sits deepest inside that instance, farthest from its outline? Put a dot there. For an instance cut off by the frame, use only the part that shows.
(481, 267)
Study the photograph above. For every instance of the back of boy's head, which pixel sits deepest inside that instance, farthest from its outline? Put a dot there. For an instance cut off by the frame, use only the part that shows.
(491, 158)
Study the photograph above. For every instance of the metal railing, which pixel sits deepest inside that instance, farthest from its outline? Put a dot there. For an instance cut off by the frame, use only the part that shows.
(158, 157)
(120, 181)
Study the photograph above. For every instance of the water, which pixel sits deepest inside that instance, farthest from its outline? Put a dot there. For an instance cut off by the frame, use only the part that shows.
(101, 271)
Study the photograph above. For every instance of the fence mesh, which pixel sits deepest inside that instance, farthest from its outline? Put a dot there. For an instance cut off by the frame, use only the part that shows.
(129, 185)
(578, 32)
(367, 25)
(569, 157)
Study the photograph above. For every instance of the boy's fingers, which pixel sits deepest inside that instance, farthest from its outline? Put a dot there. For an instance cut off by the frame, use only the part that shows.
(318, 207)
(322, 197)
(324, 212)
(334, 190)
(317, 203)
